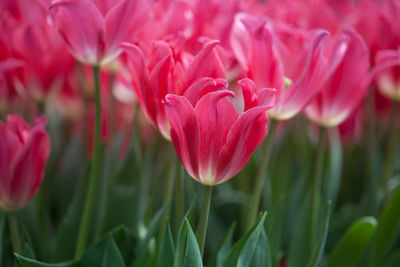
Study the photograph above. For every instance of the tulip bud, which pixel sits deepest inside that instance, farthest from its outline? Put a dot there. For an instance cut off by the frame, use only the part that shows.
(23, 155)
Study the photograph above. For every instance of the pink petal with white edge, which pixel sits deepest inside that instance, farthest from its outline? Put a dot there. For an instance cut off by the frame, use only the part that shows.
(305, 87)
(184, 132)
(141, 81)
(121, 22)
(216, 115)
(205, 64)
(244, 137)
(81, 25)
(204, 86)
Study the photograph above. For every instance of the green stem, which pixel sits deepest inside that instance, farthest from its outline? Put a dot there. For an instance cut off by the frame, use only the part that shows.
(390, 151)
(369, 200)
(14, 233)
(90, 197)
(316, 188)
(205, 210)
(259, 182)
(179, 193)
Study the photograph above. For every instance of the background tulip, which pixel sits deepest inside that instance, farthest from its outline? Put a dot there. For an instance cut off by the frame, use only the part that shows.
(341, 94)
(93, 30)
(23, 155)
(271, 55)
(168, 72)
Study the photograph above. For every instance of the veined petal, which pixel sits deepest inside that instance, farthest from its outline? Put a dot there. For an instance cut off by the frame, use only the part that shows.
(9, 65)
(240, 42)
(202, 87)
(305, 87)
(244, 137)
(184, 132)
(257, 97)
(205, 64)
(265, 69)
(141, 81)
(216, 115)
(120, 22)
(81, 25)
(160, 79)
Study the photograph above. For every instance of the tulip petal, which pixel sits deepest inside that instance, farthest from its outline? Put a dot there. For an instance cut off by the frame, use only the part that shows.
(240, 42)
(202, 87)
(8, 150)
(27, 168)
(184, 131)
(205, 64)
(341, 93)
(141, 81)
(257, 97)
(244, 137)
(81, 25)
(308, 84)
(216, 115)
(120, 22)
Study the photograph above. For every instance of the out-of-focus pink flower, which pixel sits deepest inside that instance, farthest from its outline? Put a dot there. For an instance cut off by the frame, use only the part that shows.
(23, 155)
(387, 73)
(168, 72)
(273, 56)
(213, 141)
(346, 83)
(93, 30)
(29, 38)
(377, 22)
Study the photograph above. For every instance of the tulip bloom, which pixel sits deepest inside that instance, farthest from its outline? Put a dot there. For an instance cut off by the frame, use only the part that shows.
(346, 82)
(387, 73)
(93, 30)
(23, 155)
(166, 74)
(213, 141)
(272, 56)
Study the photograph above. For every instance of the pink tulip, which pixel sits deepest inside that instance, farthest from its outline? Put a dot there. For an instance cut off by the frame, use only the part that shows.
(170, 71)
(387, 73)
(23, 155)
(271, 56)
(213, 141)
(346, 82)
(94, 29)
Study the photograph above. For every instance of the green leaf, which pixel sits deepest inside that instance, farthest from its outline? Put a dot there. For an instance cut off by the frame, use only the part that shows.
(103, 254)
(180, 246)
(223, 247)
(319, 250)
(242, 252)
(388, 226)
(66, 236)
(192, 253)
(353, 244)
(393, 260)
(262, 254)
(2, 224)
(126, 242)
(166, 254)
(153, 227)
(26, 262)
(26, 244)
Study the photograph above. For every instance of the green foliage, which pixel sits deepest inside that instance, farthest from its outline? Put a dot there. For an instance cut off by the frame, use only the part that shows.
(388, 227)
(242, 253)
(353, 244)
